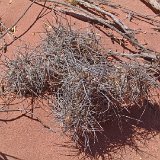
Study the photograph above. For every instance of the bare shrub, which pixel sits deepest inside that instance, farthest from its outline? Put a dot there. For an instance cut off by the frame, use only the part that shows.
(28, 75)
(93, 90)
(90, 90)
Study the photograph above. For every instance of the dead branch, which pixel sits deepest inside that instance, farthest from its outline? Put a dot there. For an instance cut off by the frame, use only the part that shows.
(154, 3)
(110, 21)
(146, 56)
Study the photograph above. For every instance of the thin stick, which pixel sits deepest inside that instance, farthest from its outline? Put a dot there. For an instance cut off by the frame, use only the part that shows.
(17, 20)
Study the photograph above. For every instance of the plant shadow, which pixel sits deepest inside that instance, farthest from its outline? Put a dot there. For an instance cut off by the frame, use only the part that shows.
(4, 156)
(137, 127)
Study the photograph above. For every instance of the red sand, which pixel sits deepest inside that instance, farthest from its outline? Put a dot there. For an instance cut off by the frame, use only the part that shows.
(29, 140)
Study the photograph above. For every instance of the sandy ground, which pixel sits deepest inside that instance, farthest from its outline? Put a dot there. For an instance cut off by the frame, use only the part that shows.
(27, 139)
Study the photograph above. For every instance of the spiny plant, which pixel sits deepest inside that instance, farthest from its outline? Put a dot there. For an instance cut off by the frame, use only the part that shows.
(89, 89)
(93, 90)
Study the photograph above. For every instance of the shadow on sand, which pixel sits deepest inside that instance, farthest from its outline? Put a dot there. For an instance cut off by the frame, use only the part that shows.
(132, 133)
(149, 6)
(4, 156)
